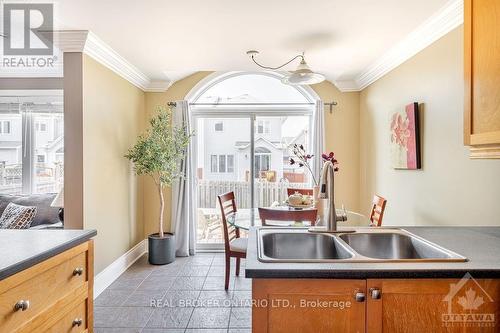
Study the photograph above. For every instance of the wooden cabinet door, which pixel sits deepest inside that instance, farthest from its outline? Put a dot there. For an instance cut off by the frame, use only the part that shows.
(432, 305)
(482, 77)
(308, 305)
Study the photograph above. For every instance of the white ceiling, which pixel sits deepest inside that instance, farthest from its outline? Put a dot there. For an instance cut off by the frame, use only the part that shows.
(170, 39)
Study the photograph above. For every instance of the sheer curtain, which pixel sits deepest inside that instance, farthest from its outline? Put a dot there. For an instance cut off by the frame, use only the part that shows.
(183, 191)
(318, 138)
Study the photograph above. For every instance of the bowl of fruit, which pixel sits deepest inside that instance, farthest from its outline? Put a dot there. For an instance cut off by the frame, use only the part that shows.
(298, 200)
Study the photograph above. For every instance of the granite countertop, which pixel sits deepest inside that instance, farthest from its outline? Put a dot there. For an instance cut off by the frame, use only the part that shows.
(481, 245)
(22, 249)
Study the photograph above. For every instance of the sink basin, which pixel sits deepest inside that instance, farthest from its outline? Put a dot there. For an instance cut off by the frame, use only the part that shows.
(280, 244)
(396, 246)
(291, 246)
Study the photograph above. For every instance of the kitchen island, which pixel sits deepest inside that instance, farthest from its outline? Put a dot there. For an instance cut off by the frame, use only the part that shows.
(46, 280)
(413, 296)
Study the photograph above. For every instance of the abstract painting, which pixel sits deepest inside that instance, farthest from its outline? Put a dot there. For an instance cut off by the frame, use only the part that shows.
(405, 138)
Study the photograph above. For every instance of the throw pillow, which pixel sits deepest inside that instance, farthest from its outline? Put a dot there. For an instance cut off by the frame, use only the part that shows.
(17, 217)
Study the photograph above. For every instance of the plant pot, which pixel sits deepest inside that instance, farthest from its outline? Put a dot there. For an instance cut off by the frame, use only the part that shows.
(161, 249)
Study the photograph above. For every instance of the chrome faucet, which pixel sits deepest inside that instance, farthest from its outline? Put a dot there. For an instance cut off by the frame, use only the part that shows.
(327, 186)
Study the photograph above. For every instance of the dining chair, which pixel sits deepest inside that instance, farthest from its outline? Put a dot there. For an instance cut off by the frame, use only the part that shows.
(269, 214)
(234, 246)
(303, 191)
(377, 213)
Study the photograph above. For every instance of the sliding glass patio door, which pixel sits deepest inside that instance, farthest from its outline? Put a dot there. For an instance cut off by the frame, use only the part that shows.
(249, 155)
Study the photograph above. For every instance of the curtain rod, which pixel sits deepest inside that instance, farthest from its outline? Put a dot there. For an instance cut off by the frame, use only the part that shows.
(331, 104)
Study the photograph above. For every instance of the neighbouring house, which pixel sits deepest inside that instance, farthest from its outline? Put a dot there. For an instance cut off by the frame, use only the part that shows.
(224, 153)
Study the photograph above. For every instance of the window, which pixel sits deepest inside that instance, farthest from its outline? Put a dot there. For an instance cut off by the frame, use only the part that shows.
(219, 126)
(5, 127)
(230, 163)
(41, 126)
(222, 163)
(263, 126)
(33, 153)
(213, 163)
(262, 161)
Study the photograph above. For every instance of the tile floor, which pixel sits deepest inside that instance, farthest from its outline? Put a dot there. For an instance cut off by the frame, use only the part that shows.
(185, 296)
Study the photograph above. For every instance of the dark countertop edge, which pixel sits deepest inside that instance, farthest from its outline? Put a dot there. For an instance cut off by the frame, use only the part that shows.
(368, 274)
(42, 256)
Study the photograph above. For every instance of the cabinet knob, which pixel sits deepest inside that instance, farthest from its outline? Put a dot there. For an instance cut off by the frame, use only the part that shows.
(22, 305)
(360, 297)
(77, 322)
(78, 271)
(375, 293)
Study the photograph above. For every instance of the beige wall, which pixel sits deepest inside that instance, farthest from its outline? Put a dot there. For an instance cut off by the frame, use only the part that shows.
(113, 116)
(451, 189)
(342, 137)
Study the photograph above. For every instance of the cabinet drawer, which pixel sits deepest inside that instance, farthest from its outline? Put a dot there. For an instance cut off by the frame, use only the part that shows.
(72, 322)
(40, 287)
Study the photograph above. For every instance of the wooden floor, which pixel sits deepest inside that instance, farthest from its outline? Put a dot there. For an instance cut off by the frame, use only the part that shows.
(185, 296)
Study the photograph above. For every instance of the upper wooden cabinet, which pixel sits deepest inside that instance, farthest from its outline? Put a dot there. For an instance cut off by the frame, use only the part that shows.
(482, 77)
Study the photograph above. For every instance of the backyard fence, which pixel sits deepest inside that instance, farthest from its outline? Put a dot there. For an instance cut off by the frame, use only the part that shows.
(265, 192)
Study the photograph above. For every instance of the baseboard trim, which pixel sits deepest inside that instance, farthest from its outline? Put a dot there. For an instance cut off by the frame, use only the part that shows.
(108, 275)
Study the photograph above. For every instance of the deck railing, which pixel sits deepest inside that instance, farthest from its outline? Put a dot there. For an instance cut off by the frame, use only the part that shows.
(48, 179)
(265, 192)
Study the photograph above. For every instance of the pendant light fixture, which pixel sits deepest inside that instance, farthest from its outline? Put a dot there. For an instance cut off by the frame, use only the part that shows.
(303, 75)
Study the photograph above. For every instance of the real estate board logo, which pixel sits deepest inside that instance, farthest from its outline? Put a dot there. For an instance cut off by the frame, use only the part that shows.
(468, 305)
(28, 29)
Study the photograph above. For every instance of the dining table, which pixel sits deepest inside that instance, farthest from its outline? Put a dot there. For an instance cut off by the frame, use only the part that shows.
(248, 217)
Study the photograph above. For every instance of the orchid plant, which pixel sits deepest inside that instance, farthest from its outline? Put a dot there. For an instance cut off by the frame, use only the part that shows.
(302, 159)
(331, 158)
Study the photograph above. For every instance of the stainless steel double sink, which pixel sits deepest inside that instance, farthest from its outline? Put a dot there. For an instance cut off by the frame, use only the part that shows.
(281, 244)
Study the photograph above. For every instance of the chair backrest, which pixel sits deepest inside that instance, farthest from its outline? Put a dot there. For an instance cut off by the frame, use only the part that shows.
(269, 214)
(228, 207)
(377, 213)
(303, 191)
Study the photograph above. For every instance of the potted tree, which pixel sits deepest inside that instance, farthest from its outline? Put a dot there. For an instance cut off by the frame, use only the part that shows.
(159, 153)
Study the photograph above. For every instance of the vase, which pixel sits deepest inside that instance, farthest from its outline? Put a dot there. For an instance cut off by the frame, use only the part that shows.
(315, 194)
(318, 204)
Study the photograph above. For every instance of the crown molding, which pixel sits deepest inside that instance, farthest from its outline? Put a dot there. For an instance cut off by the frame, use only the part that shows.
(158, 86)
(442, 22)
(346, 85)
(70, 40)
(104, 54)
(87, 42)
